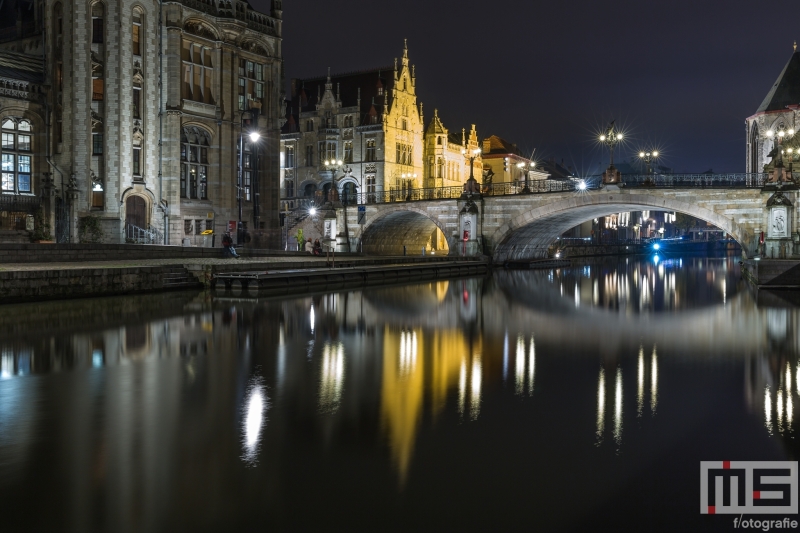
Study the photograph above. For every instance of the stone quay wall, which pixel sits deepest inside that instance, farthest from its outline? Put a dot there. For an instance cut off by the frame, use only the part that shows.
(31, 285)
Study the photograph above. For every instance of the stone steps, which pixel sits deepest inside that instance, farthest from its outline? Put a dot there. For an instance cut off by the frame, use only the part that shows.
(179, 278)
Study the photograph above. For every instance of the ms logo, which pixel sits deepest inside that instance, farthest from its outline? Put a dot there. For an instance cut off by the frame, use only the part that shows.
(748, 487)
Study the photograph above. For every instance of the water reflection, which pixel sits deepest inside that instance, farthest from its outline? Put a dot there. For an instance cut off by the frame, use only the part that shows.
(383, 375)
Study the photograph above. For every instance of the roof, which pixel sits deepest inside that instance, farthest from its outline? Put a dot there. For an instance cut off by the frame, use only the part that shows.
(786, 90)
(21, 67)
(347, 85)
(436, 125)
(498, 145)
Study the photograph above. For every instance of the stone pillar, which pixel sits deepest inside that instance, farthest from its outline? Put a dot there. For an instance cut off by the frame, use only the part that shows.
(469, 234)
(778, 243)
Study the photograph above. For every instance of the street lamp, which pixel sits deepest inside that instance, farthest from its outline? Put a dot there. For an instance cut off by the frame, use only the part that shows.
(333, 165)
(525, 170)
(408, 176)
(611, 138)
(254, 136)
(786, 147)
(648, 157)
(472, 186)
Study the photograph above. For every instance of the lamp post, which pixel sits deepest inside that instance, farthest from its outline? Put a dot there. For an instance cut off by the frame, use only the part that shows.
(786, 148)
(525, 170)
(472, 186)
(648, 157)
(611, 138)
(254, 137)
(334, 165)
(408, 176)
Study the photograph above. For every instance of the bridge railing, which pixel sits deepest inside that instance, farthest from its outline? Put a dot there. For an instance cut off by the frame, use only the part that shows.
(737, 180)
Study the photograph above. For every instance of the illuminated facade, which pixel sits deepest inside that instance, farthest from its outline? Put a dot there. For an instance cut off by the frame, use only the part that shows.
(146, 142)
(370, 120)
(502, 160)
(446, 164)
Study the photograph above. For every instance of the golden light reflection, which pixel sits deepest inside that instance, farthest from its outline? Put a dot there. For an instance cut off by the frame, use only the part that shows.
(331, 380)
(601, 407)
(767, 410)
(779, 410)
(640, 383)
(653, 382)
(618, 408)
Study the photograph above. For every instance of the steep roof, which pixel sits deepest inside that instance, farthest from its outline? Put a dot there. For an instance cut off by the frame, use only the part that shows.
(347, 85)
(436, 125)
(498, 145)
(786, 90)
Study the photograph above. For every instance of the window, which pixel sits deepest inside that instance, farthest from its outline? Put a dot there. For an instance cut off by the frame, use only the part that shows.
(370, 185)
(198, 73)
(137, 100)
(404, 124)
(327, 149)
(97, 143)
(97, 23)
(403, 154)
(348, 121)
(137, 161)
(348, 151)
(309, 156)
(288, 186)
(97, 89)
(309, 125)
(16, 165)
(289, 157)
(370, 152)
(137, 33)
(195, 143)
(251, 84)
(248, 167)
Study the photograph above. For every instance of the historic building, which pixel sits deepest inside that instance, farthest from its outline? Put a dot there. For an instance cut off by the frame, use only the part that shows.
(503, 163)
(446, 155)
(146, 143)
(774, 119)
(369, 120)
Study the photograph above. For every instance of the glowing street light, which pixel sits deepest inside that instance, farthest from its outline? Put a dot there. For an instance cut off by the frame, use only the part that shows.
(611, 138)
(526, 168)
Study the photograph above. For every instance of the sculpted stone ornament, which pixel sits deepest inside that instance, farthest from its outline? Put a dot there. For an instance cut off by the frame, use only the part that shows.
(200, 29)
(779, 174)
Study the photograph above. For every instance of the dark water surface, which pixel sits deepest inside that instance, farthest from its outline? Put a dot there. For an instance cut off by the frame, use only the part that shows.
(575, 399)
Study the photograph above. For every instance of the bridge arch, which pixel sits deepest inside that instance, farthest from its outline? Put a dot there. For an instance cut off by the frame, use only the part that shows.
(403, 225)
(529, 234)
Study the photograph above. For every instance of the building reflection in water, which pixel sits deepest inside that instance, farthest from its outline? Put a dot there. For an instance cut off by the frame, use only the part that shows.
(331, 381)
(416, 359)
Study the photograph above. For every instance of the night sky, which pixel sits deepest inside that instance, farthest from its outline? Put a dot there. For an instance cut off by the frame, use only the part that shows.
(678, 75)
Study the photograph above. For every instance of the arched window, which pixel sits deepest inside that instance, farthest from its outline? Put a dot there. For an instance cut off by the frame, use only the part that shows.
(195, 143)
(97, 22)
(17, 144)
(136, 32)
(288, 186)
(754, 159)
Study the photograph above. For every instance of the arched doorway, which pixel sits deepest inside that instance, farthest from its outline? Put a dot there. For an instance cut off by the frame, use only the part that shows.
(135, 212)
(308, 190)
(349, 191)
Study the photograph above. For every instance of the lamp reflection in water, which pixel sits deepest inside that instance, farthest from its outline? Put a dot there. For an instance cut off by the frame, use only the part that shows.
(768, 410)
(653, 382)
(254, 413)
(470, 375)
(331, 377)
(601, 406)
(640, 383)
(521, 376)
(618, 408)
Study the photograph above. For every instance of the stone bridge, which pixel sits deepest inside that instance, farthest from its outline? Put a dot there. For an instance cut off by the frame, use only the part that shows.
(523, 226)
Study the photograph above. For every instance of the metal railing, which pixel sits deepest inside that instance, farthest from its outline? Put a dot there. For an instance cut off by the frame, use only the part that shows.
(20, 203)
(137, 235)
(634, 181)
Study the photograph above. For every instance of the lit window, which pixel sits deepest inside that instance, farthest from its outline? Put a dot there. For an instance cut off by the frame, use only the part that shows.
(16, 165)
(194, 167)
(198, 73)
(251, 84)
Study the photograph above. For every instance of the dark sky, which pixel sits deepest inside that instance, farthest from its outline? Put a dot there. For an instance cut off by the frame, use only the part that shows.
(680, 75)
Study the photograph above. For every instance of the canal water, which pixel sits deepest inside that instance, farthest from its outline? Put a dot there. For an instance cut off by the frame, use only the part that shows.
(581, 398)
